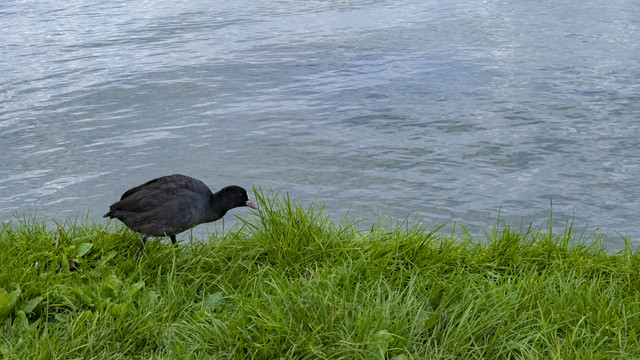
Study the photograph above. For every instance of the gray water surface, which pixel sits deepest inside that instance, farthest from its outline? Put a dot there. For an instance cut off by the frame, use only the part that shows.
(442, 111)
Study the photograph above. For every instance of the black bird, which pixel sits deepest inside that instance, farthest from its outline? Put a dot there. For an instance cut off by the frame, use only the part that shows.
(172, 204)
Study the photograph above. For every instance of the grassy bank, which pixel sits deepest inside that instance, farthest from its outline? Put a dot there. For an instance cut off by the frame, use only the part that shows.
(289, 283)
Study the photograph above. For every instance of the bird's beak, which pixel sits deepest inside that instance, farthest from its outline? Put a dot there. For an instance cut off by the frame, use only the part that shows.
(251, 204)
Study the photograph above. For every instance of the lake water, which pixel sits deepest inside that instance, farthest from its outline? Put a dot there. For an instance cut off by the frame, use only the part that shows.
(442, 111)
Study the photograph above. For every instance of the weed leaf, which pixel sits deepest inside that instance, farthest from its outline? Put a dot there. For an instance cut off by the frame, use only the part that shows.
(7, 302)
(83, 249)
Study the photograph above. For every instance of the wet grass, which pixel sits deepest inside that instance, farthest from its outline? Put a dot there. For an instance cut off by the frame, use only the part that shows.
(292, 284)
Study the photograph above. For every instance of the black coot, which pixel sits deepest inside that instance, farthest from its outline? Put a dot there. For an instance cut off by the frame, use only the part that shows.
(172, 204)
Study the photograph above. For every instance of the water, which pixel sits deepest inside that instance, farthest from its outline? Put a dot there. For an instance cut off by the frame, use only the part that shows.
(443, 111)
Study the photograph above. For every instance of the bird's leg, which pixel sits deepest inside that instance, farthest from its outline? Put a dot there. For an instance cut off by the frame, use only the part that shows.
(173, 239)
(142, 241)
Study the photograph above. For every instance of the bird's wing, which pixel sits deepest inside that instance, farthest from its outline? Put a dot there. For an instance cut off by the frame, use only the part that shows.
(149, 184)
(166, 191)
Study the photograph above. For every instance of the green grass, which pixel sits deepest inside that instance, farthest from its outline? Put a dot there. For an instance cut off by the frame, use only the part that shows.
(292, 284)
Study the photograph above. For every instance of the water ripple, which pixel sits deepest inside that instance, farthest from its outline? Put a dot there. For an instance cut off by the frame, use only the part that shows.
(450, 112)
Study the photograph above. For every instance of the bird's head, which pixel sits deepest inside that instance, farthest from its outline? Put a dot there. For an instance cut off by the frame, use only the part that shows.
(236, 196)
